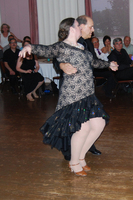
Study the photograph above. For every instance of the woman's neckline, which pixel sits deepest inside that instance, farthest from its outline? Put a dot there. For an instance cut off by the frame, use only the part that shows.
(79, 46)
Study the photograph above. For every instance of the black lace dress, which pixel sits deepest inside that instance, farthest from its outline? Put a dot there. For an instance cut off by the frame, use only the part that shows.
(30, 80)
(77, 102)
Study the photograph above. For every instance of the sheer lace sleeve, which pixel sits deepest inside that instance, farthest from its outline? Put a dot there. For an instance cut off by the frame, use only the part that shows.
(49, 51)
(97, 63)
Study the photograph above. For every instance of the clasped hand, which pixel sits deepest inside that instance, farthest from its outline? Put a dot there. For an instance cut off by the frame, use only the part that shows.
(113, 66)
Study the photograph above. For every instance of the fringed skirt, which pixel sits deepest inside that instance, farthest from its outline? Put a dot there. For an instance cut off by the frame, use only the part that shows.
(59, 128)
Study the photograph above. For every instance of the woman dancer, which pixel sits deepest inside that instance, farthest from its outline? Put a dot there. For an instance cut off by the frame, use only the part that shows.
(79, 118)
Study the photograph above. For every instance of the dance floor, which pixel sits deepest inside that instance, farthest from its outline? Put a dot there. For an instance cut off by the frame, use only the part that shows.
(30, 170)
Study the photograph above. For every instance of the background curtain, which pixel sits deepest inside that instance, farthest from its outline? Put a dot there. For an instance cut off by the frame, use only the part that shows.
(88, 8)
(51, 12)
(33, 17)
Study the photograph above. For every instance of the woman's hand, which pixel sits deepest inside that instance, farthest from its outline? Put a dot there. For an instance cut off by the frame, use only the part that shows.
(28, 71)
(36, 70)
(113, 66)
(26, 49)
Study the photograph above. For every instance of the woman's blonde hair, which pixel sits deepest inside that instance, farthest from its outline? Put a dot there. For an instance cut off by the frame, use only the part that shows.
(4, 25)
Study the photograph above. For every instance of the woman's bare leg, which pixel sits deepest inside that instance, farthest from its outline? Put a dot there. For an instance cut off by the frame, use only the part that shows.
(96, 127)
(77, 142)
(34, 91)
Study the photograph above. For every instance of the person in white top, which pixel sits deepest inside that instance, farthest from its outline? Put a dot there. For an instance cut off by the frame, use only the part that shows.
(99, 53)
(5, 32)
(128, 46)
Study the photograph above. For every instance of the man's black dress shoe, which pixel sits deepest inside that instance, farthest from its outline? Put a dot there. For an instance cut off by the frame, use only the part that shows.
(95, 151)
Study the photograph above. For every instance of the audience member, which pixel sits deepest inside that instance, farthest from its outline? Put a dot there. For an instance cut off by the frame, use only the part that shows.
(107, 44)
(31, 78)
(127, 46)
(1, 55)
(10, 59)
(106, 73)
(5, 32)
(26, 38)
(8, 46)
(99, 53)
(125, 69)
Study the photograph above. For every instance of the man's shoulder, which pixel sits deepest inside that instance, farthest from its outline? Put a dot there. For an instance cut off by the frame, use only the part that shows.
(113, 52)
(130, 46)
(7, 51)
(123, 50)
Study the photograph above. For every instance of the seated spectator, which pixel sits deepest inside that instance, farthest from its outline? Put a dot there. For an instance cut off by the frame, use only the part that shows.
(30, 76)
(127, 46)
(5, 32)
(99, 53)
(26, 38)
(107, 45)
(106, 73)
(8, 46)
(10, 59)
(125, 69)
(1, 55)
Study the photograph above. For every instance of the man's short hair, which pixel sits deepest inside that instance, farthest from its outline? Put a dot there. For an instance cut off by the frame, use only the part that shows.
(82, 19)
(128, 37)
(10, 36)
(11, 40)
(117, 40)
(95, 38)
(26, 37)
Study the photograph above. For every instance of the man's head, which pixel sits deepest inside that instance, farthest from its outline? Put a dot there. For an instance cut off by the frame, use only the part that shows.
(117, 42)
(13, 43)
(95, 42)
(127, 41)
(10, 37)
(27, 38)
(86, 25)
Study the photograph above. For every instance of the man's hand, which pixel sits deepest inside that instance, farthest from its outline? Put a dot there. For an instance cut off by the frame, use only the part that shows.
(113, 66)
(12, 72)
(131, 65)
(68, 68)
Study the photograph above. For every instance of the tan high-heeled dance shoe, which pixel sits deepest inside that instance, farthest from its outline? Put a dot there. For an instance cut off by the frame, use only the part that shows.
(85, 168)
(29, 98)
(81, 173)
(35, 95)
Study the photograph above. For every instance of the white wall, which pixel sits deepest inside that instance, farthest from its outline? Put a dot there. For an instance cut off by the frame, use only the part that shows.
(16, 14)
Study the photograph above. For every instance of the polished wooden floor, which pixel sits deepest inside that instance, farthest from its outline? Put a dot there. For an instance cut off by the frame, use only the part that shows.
(30, 170)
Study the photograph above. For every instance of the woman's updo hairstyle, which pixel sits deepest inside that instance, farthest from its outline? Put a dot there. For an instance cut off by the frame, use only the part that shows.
(106, 37)
(64, 28)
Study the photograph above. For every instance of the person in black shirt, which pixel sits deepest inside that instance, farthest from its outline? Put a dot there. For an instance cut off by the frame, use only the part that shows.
(125, 69)
(10, 59)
